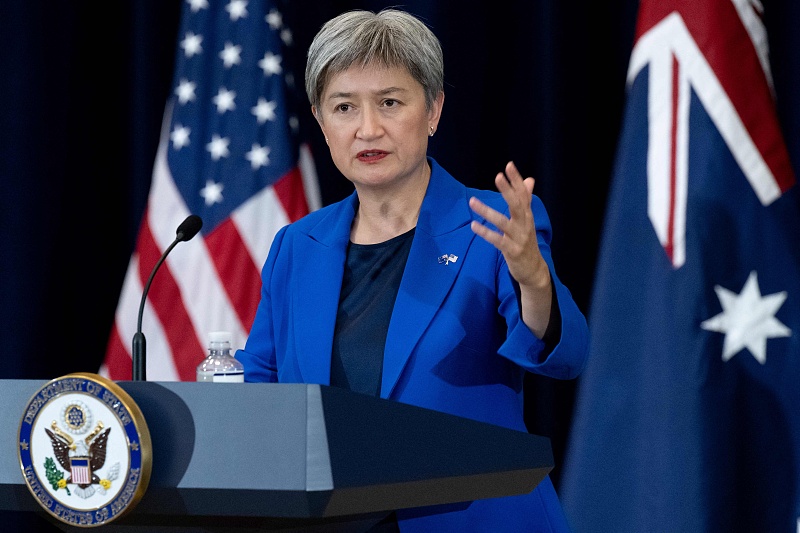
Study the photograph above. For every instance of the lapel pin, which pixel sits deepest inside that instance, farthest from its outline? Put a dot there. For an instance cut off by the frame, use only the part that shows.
(447, 259)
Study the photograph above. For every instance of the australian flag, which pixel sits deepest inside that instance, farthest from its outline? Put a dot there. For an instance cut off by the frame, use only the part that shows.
(688, 414)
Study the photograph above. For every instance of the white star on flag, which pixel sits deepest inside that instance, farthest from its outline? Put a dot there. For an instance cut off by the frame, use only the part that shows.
(274, 19)
(191, 44)
(237, 9)
(197, 5)
(231, 55)
(180, 136)
(212, 192)
(258, 156)
(225, 100)
(264, 110)
(270, 64)
(185, 91)
(747, 319)
(218, 147)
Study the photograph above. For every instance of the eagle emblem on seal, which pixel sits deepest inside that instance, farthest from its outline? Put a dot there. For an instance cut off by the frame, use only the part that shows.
(81, 458)
(81, 462)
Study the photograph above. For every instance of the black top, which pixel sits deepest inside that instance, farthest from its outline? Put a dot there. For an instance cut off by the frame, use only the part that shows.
(372, 275)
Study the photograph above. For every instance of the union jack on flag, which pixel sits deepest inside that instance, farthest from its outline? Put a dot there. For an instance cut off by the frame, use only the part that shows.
(231, 153)
(687, 414)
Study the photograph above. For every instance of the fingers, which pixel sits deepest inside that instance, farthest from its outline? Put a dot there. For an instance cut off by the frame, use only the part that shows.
(500, 221)
(529, 183)
(513, 178)
(518, 228)
(516, 192)
(515, 189)
(495, 217)
(490, 236)
(515, 236)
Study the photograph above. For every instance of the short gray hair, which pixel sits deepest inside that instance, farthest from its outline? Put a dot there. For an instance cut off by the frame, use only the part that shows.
(390, 38)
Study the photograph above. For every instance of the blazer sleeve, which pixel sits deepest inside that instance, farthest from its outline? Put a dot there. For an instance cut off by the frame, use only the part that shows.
(569, 355)
(259, 355)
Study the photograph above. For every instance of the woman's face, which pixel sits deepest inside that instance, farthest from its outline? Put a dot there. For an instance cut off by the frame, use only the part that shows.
(376, 125)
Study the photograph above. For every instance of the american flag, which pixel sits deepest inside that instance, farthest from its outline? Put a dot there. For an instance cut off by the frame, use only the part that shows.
(687, 413)
(230, 152)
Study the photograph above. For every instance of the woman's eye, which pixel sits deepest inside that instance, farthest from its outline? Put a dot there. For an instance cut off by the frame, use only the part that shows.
(390, 103)
(343, 108)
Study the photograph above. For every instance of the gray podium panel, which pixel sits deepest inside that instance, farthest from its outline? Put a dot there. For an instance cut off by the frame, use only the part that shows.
(293, 457)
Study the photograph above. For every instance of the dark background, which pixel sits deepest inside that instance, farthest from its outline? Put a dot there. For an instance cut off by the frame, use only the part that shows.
(83, 91)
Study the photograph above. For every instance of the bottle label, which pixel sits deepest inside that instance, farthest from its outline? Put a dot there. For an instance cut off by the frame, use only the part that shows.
(229, 377)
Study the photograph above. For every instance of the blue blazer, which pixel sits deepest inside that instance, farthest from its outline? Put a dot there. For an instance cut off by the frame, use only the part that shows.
(456, 342)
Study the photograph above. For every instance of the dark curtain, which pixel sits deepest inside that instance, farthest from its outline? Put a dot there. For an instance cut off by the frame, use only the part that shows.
(83, 93)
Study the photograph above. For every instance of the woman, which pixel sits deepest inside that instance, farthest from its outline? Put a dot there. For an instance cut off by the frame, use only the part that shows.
(414, 288)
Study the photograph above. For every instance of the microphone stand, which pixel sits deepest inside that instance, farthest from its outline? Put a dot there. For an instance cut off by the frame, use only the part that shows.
(188, 229)
(139, 342)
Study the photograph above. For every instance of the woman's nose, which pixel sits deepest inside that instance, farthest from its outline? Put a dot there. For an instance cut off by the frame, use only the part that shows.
(370, 126)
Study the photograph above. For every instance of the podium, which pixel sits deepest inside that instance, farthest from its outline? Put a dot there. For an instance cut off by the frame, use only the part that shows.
(292, 457)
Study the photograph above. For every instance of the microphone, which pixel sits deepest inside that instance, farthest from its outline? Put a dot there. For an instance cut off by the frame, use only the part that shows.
(188, 229)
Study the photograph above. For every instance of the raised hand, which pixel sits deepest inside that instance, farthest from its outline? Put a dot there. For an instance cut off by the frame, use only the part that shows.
(515, 237)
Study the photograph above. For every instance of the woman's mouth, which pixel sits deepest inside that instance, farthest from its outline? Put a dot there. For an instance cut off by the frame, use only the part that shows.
(370, 156)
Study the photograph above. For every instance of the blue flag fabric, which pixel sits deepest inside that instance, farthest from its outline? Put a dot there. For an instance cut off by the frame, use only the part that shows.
(687, 417)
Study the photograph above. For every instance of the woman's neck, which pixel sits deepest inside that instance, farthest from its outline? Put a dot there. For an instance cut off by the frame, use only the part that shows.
(386, 213)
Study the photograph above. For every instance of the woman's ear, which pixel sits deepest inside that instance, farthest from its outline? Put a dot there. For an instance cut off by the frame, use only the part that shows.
(318, 116)
(436, 112)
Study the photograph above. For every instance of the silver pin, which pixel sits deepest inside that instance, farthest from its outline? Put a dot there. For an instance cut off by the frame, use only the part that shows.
(447, 259)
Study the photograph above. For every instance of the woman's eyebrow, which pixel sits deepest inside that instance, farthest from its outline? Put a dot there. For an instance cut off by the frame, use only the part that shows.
(382, 92)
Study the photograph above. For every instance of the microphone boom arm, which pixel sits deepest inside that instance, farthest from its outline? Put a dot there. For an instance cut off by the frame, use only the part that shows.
(186, 231)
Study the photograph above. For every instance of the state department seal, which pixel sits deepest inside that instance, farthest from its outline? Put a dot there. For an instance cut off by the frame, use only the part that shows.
(84, 449)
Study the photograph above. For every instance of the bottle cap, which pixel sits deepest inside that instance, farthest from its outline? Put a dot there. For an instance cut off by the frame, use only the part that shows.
(220, 336)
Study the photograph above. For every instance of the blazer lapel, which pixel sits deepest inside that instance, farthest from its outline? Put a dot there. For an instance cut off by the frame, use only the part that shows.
(319, 266)
(442, 230)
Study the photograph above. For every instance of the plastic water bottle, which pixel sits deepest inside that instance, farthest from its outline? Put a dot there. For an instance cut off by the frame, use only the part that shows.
(220, 366)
